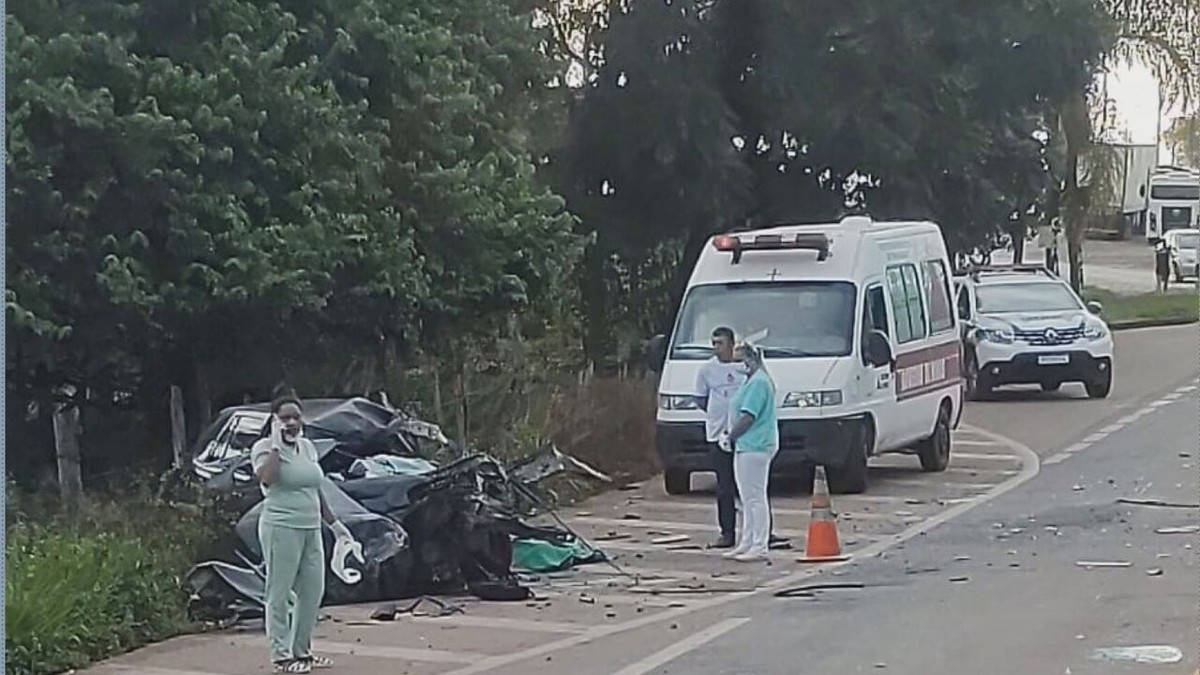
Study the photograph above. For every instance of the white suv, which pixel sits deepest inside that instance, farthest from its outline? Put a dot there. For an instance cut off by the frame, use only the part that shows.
(1024, 325)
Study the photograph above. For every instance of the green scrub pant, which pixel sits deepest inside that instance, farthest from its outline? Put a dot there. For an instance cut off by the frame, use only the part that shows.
(295, 562)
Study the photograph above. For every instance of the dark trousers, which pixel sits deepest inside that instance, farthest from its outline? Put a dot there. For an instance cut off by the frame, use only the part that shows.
(727, 493)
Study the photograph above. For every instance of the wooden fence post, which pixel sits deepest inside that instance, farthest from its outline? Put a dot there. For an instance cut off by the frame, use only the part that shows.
(178, 427)
(66, 448)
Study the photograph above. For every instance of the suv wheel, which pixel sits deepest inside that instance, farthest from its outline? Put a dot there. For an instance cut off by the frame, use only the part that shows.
(677, 482)
(977, 387)
(1101, 388)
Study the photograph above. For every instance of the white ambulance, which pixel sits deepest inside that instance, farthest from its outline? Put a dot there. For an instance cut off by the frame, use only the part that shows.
(861, 341)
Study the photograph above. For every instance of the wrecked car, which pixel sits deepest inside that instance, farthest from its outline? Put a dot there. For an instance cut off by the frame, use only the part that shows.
(427, 526)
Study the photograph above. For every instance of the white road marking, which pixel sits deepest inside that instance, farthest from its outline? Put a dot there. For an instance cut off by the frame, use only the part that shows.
(381, 652)
(976, 471)
(1055, 459)
(1077, 447)
(105, 668)
(500, 623)
(1188, 389)
(776, 511)
(1173, 396)
(674, 651)
(1111, 429)
(984, 444)
(985, 456)
(664, 525)
(1029, 469)
(943, 484)
(1094, 438)
(1160, 404)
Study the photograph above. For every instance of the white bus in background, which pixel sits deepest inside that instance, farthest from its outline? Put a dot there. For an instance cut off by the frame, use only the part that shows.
(1174, 201)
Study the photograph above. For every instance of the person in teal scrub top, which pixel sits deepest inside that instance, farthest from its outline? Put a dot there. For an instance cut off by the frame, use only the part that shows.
(754, 439)
(289, 528)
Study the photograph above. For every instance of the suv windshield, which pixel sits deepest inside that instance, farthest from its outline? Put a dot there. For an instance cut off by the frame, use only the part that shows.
(1030, 297)
(802, 318)
(1187, 242)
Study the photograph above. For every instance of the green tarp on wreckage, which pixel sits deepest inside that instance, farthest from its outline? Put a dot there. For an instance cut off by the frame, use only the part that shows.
(539, 555)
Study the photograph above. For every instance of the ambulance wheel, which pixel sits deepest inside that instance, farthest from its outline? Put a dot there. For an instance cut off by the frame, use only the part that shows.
(677, 482)
(851, 477)
(934, 452)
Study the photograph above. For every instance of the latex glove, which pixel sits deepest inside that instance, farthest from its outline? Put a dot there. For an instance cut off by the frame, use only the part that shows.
(345, 545)
(724, 443)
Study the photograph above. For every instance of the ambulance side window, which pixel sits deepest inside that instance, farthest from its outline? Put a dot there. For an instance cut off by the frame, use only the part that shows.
(874, 315)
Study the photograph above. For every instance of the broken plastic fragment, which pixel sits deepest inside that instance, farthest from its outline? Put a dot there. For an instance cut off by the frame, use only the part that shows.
(1141, 654)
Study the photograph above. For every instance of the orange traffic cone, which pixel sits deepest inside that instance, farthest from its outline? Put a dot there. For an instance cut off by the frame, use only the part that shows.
(822, 542)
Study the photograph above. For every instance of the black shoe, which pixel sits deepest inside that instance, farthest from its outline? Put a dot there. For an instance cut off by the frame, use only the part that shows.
(723, 542)
(778, 543)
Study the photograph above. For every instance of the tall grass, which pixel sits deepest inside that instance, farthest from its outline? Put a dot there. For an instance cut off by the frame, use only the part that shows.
(96, 581)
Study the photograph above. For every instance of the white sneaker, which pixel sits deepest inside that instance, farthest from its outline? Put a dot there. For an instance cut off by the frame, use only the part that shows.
(733, 553)
(751, 556)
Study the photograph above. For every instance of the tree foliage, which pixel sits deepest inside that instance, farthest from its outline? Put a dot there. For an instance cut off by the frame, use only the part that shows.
(705, 115)
(236, 185)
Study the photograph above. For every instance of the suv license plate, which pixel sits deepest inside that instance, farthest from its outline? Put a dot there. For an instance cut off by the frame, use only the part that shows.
(1054, 360)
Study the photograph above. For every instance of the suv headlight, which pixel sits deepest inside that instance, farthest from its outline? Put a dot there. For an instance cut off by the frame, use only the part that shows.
(997, 335)
(1095, 331)
(812, 399)
(677, 402)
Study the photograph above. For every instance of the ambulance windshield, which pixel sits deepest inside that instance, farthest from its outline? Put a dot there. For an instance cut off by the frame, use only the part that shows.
(802, 318)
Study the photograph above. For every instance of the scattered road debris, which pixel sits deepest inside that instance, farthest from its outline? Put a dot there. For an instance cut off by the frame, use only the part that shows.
(670, 539)
(1148, 654)
(1158, 502)
(810, 590)
(1102, 563)
(1154, 572)
(959, 580)
(1077, 487)
(391, 611)
(1186, 529)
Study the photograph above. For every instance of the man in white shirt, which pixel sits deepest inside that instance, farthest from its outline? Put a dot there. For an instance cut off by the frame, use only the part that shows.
(716, 383)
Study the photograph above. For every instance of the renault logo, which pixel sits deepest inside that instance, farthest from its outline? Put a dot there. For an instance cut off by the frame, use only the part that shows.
(1051, 335)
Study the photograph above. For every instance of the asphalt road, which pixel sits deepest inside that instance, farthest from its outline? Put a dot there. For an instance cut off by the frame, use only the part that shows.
(1001, 589)
(675, 608)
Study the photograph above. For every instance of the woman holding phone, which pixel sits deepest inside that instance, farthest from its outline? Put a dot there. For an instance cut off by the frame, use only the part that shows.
(289, 528)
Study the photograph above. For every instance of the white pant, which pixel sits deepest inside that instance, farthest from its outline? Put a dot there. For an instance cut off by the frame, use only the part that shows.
(750, 472)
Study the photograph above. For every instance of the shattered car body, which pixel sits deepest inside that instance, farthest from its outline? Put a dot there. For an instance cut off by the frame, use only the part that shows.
(343, 431)
(446, 530)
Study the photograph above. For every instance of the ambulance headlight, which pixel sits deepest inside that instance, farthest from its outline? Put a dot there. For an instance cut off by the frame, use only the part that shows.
(812, 399)
(677, 402)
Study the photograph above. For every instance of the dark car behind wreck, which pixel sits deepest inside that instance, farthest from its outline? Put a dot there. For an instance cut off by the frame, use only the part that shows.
(425, 528)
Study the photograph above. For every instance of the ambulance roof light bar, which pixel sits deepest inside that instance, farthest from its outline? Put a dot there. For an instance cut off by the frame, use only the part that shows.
(772, 242)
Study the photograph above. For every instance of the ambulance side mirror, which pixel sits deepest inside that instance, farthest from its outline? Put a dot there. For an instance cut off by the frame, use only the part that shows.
(656, 353)
(878, 350)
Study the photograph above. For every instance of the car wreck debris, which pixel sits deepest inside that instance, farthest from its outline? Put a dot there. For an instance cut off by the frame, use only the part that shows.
(431, 517)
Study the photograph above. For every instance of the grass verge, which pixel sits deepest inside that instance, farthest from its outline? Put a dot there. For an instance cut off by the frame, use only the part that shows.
(97, 581)
(1147, 308)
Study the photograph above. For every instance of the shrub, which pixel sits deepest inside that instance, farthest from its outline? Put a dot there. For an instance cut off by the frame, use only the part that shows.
(101, 581)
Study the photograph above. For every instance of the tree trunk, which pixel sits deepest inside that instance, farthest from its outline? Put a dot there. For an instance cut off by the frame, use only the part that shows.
(598, 336)
(178, 428)
(66, 446)
(1078, 132)
(691, 252)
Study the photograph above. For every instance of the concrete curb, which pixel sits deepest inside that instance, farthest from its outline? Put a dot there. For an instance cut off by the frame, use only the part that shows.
(1134, 324)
